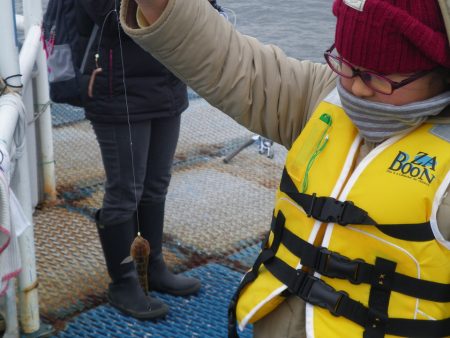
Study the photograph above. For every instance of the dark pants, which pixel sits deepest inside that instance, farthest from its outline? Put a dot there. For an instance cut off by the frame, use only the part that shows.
(153, 143)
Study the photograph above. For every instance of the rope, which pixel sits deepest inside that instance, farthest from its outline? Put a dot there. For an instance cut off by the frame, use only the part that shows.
(39, 110)
(6, 85)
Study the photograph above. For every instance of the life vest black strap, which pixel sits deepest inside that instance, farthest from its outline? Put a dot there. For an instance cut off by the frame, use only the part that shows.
(380, 294)
(413, 232)
(328, 209)
(325, 209)
(316, 292)
(332, 264)
(265, 256)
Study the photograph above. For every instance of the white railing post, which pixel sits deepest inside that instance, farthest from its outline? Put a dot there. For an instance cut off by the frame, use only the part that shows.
(22, 185)
(8, 306)
(12, 325)
(9, 57)
(28, 285)
(9, 65)
(32, 10)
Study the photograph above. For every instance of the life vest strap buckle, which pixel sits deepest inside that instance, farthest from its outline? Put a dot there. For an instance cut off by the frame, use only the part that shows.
(332, 264)
(332, 210)
(317, 292)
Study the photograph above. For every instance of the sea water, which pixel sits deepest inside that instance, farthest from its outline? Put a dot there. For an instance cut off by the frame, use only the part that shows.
(304, 29)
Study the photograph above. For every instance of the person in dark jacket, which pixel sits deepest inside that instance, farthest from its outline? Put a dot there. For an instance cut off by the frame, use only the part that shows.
(136, 119)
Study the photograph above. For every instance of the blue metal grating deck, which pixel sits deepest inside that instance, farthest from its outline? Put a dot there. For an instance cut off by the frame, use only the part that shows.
(63, 114)
(247, 256)
(204, 315)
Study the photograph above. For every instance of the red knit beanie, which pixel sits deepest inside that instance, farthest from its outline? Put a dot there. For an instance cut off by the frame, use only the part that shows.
(391, 36)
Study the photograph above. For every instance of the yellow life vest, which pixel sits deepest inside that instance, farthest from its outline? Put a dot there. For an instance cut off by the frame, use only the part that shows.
(377, 265)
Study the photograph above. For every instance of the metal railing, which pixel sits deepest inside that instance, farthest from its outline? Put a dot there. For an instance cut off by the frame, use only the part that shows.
(31, 171)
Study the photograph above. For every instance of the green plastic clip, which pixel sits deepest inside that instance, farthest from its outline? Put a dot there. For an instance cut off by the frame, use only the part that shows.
(326, 118)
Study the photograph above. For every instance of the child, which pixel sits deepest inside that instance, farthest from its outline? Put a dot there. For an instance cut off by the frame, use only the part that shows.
(360, 238)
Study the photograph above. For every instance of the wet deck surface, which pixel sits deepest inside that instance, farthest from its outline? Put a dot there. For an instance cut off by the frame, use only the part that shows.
(216, 214)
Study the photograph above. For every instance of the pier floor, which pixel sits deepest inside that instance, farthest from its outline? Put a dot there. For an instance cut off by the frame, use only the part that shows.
(216, 215)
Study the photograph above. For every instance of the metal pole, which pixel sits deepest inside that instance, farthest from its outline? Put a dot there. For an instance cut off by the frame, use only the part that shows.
(10, 313)
(12, 325)
(9, 63)
(9, 57)
(19, 22)
(28, 292)
(30, 49)
(32, 10)
(44, 125)
(8, 122)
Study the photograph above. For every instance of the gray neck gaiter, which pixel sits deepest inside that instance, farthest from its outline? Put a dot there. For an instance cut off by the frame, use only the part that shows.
(377, 122)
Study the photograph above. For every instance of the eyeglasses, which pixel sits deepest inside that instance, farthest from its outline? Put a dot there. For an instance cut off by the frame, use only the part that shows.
(376, 81)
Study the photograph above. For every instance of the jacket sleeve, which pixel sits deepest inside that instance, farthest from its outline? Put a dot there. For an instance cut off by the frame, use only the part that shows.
(99, 11)
(258, 85)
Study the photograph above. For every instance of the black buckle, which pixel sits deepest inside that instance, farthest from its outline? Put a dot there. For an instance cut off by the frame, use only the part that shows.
(332, 264)
(333, 211)
(317, 292)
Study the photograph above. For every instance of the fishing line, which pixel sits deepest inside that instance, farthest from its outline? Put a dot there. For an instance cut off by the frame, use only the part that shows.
(97, 56)
(128, 115)
(140, 247)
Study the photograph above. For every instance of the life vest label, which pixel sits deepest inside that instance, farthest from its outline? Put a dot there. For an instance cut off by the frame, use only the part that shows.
(421, 168)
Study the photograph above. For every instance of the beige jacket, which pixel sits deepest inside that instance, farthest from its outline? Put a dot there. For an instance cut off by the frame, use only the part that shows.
(258, 85)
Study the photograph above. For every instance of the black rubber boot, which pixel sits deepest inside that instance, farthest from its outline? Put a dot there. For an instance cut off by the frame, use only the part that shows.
(125, 292)
(151, 218)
